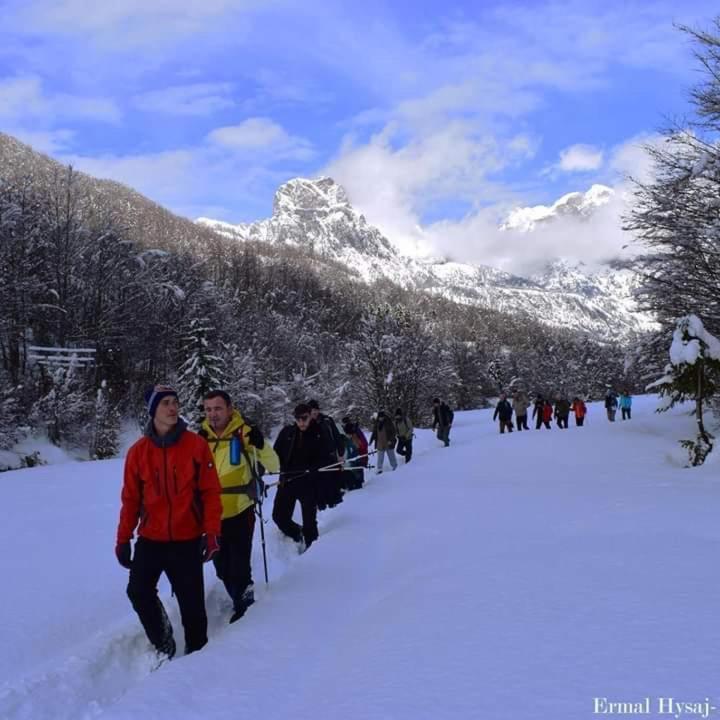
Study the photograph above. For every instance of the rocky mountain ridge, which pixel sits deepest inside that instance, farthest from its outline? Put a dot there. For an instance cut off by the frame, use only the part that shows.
(317, 217)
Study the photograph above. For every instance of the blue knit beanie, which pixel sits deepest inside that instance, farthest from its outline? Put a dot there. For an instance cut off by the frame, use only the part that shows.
(153, 396)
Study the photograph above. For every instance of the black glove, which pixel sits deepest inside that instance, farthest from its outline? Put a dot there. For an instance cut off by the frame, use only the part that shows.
(256, 438)
(122, 553)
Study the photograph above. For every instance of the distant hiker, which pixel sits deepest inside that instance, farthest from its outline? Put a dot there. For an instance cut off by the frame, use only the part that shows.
(404, 428)
(384, 436)
(300, 451)
(538, 407)
(241, 454)
(625, 403)
(611, 405)
(171, 488)
(504, 411)
(442, 420)
(332, 446)
(547, 414)
(355, 453)
(562, 412)
(520, 404)
(580, 409)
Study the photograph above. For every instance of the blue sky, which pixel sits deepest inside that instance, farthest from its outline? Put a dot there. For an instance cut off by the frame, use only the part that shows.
(434, 115)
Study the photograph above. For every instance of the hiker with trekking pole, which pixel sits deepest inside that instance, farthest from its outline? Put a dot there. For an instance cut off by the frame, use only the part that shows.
(240, 451)
(300, 450)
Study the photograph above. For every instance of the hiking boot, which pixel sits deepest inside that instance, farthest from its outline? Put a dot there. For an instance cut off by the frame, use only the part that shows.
(246, 600)
(166, 648)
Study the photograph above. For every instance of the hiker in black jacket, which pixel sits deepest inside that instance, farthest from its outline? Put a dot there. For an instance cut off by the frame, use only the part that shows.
(504, 411)
(538, 406)
(442, 420)
(300, 451)
(332, 444)
(562, 412)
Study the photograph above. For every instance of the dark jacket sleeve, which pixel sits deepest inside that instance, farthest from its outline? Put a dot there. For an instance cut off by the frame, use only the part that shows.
(281, 447)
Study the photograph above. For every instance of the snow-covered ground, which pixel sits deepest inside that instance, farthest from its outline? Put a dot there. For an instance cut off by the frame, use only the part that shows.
(514, 576)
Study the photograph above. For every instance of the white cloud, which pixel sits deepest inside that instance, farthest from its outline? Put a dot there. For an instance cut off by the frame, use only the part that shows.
(195, 99)
(23, 97)
(580, 158)
(50, 142)
(393, 185)
(129, 23)
(262, 135)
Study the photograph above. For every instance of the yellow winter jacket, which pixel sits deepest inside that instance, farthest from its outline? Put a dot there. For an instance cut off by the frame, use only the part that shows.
(234, 503)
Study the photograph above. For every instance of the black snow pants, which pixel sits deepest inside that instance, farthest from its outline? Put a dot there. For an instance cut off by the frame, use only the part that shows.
(288, 494)
(181, 561)
(521, 422)
(443, 433)
(404, 448)
(232, 563)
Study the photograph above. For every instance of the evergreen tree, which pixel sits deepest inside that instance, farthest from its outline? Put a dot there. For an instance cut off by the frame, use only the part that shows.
(693, 374)
(105, 442)
(202, 371)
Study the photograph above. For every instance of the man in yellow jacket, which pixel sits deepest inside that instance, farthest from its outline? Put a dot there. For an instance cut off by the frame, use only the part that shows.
(233, 442)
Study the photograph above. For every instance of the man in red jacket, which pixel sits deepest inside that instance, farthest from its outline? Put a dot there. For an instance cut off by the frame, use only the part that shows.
(172, 489)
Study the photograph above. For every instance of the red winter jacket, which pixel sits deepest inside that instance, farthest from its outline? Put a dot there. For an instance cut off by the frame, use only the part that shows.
(579, 409)
(547, 412)
(171, 487)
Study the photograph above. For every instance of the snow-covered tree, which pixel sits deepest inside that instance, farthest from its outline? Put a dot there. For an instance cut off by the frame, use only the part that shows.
(107, 426)
(692, 374)
(676, 216)
(9, 413)
(203, 370)
(64, 409)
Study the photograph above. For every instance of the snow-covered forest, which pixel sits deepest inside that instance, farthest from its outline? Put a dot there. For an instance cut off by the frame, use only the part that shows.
(90, 264)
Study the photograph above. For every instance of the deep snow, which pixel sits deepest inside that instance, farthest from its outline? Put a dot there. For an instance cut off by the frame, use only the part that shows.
(514, 576)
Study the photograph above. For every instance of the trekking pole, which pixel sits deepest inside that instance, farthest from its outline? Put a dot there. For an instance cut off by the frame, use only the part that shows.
(258, 504)
(333, 467)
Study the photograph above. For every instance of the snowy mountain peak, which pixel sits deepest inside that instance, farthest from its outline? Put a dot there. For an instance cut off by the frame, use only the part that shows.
(577, 204)
(302, 194)
(317, 217)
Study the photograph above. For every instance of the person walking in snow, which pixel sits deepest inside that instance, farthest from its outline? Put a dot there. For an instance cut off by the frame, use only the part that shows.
(547, 413)
(538, 407)
(299, 448)
(442, 420)
(238, 467)
(171, 496)
(579, 408)
(611, 404)
(504, 411)
(625, 404)
(329, 489)
(384, 435)
(520, 404)
(562, 412)
(404, 428)
(356, 454)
